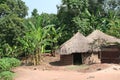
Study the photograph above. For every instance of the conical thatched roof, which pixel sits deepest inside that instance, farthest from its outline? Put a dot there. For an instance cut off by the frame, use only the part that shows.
(97, 39)
(102, 36)
(77, 44)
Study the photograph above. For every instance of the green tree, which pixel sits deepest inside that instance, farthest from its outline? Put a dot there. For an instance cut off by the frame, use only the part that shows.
(86, 15)
(13, 7)
(35, 13)
(95, 7)
(48, 19)
(113, 24)
(11, 27)
(35, 40)
(12, 13)
(32, 42)
(68, 12)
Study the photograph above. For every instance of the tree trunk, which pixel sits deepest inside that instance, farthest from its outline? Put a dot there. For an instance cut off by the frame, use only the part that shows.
(34, 60)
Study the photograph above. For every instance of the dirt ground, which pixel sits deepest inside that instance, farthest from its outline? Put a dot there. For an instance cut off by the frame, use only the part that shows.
(52, 70)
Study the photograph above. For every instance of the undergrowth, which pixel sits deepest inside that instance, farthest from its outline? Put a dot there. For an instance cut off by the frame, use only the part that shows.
(6, 64)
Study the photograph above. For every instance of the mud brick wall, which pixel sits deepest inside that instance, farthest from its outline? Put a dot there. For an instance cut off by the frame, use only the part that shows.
(90, 58)
(66, 59)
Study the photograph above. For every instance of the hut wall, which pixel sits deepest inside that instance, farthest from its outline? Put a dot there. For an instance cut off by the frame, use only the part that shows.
(89, 58)
(66, 59)
(110, 55)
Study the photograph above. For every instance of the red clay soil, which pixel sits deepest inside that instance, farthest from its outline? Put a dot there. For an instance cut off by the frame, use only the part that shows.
(111, 73)
(51, 70)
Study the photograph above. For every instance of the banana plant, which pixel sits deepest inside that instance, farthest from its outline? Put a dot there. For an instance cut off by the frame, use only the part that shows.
(35, 41)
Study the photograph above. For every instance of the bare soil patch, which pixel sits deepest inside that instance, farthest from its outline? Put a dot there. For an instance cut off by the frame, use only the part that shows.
(51, 69)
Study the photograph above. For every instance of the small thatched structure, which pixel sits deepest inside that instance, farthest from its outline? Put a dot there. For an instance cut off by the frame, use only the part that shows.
(105, 46)
(95, 48)
(98, 35)
(75, 50)
(77, 44)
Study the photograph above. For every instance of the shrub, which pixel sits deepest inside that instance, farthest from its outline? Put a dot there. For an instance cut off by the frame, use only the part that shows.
(13, 62)
(6, 64)
(6, 75)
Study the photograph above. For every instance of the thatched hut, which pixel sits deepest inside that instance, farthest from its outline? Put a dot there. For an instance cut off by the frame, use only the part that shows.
(97, 47)
(75, 50)
(98, 35)
(104, 46)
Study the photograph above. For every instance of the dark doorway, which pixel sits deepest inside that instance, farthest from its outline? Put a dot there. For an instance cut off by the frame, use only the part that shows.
(77, 59)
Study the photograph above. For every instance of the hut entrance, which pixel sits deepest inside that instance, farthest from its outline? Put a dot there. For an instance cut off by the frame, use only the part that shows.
(77, 58)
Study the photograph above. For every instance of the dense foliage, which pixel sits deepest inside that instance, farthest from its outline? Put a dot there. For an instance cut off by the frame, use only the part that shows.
(88, 15)
(40, 33)
(12, 13)
(37, 38)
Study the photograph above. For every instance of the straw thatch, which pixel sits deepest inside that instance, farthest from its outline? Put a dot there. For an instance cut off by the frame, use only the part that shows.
(77, 44)
(98, 39)
(98, 35)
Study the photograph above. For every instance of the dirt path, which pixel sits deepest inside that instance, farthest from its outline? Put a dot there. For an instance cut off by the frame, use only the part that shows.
(111, 73)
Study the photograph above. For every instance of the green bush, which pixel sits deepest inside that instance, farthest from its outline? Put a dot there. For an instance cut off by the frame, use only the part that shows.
(6, 75)
(13, 62)
(6, 64)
